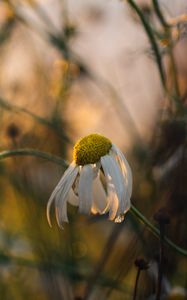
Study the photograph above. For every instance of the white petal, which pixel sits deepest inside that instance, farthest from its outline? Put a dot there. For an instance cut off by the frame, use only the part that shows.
(72, 198)
(61, 214)
(85, 189)
(126, 170)
(113, 201)
(114, 171)
(99, 197)
(59, 185)
(61, 198)
(127, 174)
(96, 167)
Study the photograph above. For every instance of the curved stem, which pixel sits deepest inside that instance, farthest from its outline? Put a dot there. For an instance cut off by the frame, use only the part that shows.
(136, 283)
(156, 231)
(32, 152)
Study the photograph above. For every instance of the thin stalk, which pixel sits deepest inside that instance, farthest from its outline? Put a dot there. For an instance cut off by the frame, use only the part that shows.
(161, 262)
(32, 152)
(159, 13)
(156, 231)
(136, 283)
(152, 40)
(175, 72)
(167, 29)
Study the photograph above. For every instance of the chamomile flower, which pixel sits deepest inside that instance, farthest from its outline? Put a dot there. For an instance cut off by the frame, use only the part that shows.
(97, 164)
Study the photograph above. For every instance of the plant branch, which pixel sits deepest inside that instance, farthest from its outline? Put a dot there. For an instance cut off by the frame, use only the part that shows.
(159, 13)
(32, 152)
(152, 40)
(167, 30)
(156, 231)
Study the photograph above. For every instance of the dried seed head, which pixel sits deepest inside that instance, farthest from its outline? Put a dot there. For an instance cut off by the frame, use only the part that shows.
(13, 131)
(141, 263)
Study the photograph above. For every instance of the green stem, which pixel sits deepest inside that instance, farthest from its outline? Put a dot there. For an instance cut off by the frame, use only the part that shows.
(62, 162)
(167, 29)
(152, 40)
(156, 231)
(159, 13)
(33, 152)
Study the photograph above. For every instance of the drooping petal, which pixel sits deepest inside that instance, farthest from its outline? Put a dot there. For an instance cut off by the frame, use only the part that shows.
(127, 175)
(99, 197)
(114, 171)
(68, 171)
(61, 198)
(71, 169)
(60, 183)
(85, 189)
(113, 201)
(61, 214)
(73, 199)
(96, 167)
(126, 170)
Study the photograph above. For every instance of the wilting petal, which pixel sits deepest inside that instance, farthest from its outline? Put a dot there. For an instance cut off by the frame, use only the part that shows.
(112, 169)
(127, 175)
(71, 170)
(96, 168)
(99, 197)
(59, 185)
(61, 198)
(73, 199)
(126, 170)
(113, 201)
(85, 189)
(61, 214)
(82, 184)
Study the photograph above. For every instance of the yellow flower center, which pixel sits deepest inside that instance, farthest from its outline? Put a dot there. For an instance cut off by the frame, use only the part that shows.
(89, 149)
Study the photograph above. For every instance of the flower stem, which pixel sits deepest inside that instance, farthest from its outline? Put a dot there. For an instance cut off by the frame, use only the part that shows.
(159, 13)
(167, 30)
(152, 40)
(161, 261)
(156, 231)
(33, 152)
(136, 283)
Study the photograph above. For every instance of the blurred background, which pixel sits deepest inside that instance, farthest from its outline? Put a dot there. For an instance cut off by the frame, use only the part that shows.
(69, 68)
